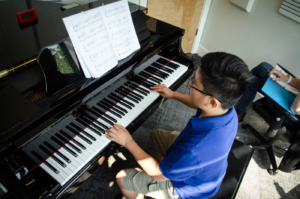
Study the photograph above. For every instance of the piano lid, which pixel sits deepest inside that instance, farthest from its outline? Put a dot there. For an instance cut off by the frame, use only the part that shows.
(20, 42)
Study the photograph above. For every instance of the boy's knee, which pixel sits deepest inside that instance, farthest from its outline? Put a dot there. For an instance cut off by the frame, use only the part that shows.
(120, 176)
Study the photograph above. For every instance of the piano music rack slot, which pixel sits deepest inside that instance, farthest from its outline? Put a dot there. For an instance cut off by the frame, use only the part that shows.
(37, 96)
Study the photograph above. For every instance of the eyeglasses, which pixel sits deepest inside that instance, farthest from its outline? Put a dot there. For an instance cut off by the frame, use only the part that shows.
(192, 82)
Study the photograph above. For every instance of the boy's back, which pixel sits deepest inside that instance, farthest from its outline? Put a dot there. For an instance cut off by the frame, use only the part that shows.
(196, 162)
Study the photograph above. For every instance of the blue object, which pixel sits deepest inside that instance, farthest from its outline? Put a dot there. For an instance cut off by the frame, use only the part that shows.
(281, 96)
(196, 162)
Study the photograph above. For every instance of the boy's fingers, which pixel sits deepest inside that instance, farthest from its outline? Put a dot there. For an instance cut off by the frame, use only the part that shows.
(116, 126)
(112, 130)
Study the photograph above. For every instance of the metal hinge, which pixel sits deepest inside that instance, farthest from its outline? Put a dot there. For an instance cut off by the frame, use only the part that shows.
(196, 31)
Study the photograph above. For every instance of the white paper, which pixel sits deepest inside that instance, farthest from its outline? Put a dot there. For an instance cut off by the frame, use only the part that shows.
(90, 39)
(86, 71)
(284, 84)
(120, 28)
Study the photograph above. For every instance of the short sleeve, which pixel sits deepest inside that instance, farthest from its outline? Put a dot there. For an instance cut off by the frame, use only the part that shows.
(180, 164)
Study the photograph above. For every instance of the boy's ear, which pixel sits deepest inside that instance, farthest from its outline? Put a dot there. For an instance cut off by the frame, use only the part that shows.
(212, 103)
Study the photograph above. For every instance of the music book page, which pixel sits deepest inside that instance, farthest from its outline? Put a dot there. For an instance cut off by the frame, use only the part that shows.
(121, 31)
(102, 36)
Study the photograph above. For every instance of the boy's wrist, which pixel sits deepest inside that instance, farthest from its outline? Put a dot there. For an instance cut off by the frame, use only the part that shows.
(131, 141)
(174, 95)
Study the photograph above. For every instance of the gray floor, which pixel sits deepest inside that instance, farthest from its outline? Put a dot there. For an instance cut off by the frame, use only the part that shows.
(172, 115)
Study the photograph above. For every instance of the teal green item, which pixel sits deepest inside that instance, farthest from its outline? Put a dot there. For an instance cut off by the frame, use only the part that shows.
(281, 96)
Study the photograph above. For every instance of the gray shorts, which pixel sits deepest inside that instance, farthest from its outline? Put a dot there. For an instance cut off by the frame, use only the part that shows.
(139, 181)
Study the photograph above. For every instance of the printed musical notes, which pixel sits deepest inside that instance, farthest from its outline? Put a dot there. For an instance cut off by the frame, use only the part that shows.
(102, 36)
(119, 24)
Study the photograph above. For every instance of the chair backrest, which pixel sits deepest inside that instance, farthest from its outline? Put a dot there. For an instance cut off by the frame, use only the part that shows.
(238, 161)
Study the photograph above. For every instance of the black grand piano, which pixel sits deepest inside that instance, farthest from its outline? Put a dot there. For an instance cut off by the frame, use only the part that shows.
(52, 117)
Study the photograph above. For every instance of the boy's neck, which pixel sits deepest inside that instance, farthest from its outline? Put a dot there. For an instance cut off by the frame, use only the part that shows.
(213, 113)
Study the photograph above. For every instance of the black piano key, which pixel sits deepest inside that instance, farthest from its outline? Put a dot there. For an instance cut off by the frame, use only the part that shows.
(113, 107)
(137, 86)
(67, 141)
(57, 152)
(45, 162)
(141, 83)
(167, 63)
(95, 121)
(144, 82)
(86, 123)
(63, 145)
(132, 92)
(157, 66)
(118, 101)
(71, 138)
(104, 114)
(86, 133)
(48, 152)
(137, 89)
(148, 80)
(121, 99)
(78, 134)
(126, 94)
(53, 156)
(150, 68)
(109, 110)
(173, 65)
(156, 71)
(152, 78)
(90, 136)
(93, 111)
(93, 127)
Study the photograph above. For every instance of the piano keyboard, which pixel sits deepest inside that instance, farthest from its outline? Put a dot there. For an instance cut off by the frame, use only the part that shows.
(69, 145)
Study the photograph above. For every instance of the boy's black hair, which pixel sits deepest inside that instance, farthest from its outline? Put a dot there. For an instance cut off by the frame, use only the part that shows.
(225, 76)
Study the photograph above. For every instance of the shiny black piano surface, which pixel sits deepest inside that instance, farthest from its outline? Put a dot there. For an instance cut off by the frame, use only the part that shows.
(26, 109)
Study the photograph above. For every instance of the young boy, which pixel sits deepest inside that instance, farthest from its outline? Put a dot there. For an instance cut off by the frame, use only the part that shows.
(192, 163)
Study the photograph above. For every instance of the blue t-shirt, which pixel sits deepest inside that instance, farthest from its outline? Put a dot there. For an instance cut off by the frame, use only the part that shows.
(196, 162)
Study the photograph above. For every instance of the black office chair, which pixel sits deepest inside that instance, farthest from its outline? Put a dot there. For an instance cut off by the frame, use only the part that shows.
(275, 121)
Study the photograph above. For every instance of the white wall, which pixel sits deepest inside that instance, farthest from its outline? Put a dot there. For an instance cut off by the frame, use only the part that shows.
(139, 2)
(261, 35)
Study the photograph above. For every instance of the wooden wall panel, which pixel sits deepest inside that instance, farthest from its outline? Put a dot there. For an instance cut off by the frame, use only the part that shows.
(182, 13)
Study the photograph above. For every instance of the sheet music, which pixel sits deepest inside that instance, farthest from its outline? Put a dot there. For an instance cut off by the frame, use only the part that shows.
(90, 38)
(120, 28)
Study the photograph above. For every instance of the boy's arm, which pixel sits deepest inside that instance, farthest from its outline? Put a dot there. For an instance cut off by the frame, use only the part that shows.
(168, 93)
(120, 135)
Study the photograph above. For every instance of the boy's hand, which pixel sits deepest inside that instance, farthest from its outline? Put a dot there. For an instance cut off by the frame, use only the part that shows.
(163, 91)
(119, 135)
(279, 75)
